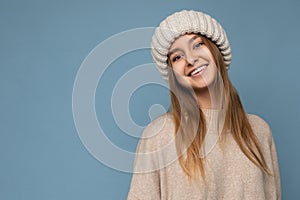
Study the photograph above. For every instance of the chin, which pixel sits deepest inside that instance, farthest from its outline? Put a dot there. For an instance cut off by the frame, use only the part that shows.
(198, 88)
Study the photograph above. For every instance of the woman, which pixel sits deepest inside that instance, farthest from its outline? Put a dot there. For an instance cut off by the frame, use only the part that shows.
(207, 147)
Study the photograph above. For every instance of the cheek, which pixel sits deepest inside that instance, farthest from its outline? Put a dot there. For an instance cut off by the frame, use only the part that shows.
(181, 78)
(179, 71)
(180, 67)
(210, 75)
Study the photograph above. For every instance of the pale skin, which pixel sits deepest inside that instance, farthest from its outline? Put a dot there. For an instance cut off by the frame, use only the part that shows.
(188, 55)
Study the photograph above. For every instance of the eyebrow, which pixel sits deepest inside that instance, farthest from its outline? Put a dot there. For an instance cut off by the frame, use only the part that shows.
(178, 49)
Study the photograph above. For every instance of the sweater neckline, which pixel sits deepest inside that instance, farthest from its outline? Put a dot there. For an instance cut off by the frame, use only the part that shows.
(214, 121)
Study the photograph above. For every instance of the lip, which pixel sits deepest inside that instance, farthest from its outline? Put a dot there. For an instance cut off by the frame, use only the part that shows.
(195, 68)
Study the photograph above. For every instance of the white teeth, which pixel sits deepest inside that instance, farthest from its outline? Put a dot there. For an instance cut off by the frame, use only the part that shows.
(199, 69)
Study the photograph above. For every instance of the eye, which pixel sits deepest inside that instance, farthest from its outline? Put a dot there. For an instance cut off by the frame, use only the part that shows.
(175, 58)
(198, 44)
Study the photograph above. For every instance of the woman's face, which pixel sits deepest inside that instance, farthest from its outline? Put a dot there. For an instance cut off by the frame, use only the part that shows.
(192, 62)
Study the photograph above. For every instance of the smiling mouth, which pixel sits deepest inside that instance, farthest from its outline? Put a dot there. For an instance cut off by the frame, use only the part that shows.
(197, 70)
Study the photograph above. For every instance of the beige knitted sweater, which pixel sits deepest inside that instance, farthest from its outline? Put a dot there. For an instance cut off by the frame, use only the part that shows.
(229, 173)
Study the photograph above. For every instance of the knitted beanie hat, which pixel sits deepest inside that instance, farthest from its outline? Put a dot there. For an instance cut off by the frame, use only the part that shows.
(181, 23)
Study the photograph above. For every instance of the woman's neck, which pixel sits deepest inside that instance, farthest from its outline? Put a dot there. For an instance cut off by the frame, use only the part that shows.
(207, 99)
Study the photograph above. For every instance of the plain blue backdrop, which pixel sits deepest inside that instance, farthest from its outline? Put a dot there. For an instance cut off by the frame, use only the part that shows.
(42, 45)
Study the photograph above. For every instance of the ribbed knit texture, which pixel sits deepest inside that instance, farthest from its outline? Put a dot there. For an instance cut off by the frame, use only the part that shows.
(181, 23)
(229, 173)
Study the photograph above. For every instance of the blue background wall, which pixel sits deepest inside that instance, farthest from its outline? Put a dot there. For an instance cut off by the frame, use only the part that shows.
(42, 45)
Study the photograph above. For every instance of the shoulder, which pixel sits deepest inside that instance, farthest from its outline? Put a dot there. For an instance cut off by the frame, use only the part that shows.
(257, 122)
(157, 133)
(261, 128)
(163, 123)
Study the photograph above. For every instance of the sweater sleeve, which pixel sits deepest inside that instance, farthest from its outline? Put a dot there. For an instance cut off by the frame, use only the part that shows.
(144, 187)
(274, 188)
(145, 183)
(276, 172)
(265, 136)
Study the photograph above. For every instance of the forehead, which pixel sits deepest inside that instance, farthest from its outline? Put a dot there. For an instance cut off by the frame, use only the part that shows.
(182, 40)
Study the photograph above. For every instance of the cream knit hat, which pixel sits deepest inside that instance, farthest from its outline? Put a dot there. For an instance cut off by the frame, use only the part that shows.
(181, 23)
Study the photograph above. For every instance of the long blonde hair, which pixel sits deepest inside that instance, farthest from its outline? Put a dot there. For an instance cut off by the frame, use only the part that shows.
(192, 132)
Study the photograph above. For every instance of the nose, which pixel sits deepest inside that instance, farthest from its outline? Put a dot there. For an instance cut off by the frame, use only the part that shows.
(191, 59)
